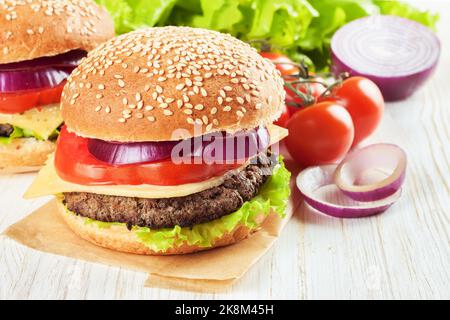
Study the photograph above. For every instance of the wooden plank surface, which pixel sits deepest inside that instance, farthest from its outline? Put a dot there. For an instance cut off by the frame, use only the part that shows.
(401, 254)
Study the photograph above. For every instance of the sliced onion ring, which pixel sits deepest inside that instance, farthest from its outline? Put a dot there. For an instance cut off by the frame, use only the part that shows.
(387, 158)
(310, 180)
(367, 182)
(46, 72)
(239, 146)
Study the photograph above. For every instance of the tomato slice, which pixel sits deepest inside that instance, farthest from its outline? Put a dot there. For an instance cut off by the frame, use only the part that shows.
(18, 102)
(74, 163)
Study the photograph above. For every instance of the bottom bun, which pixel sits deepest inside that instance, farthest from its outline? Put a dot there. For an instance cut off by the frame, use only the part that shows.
(119, 238)
(24, 155)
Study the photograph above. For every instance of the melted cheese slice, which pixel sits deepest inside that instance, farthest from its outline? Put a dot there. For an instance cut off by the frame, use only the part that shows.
(42, 122)
(48, 182)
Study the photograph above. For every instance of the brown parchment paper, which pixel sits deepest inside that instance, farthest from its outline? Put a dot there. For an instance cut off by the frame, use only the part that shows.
(208, 271)
(4, 171)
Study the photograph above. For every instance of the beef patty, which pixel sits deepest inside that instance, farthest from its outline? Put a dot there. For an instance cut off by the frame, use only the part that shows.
(187, 211)
(6, 130)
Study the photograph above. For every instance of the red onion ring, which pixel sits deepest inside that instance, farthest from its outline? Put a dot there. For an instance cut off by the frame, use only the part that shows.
(386, 157)
(46, 72)
(354, 193)
(116, 153)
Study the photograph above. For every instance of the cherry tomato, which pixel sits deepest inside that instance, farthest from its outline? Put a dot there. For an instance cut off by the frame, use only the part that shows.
(320, 134)
(283, 119)
(290, 72)
(18, 102)
(85, 169)
(295, 102)
(282, 62)
(364, 101)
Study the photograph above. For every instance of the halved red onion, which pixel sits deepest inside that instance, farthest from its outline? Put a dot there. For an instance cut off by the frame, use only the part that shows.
(397, 54)
(215, 147)
(388, 161)
(316, 184)
(46, 72)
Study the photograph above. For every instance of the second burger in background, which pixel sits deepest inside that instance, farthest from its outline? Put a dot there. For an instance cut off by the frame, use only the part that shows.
(169, 149)
(41, 42)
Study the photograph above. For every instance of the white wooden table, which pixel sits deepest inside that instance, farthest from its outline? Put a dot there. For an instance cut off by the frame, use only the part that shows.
(403, 253)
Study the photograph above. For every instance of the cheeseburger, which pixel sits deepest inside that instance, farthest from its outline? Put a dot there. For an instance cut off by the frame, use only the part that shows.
(41, 42)
(168, 145)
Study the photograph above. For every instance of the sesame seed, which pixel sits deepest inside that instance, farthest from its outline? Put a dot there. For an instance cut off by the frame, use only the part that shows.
(98, 108)
(121, 83)
(222, 93)
(122, 120)
(240, 113)
(227, 88)
(167, 112)
(149, 108)
(101, 87)
(188, 111)
(226, 108)
(151, 119)
(163, 105)
(214, 110)
(138, 97)
(190, 120)
(108, 110)
(199, 107)
(159, 89)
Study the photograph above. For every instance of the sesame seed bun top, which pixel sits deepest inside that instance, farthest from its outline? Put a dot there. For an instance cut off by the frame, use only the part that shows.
(32, 29)
(144, 85)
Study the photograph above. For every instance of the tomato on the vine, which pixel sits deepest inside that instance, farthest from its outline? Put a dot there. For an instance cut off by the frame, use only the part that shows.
(320, 134)
(364, 101)
(291, 72)
(282, 62)
(18, 102)
(284, 117)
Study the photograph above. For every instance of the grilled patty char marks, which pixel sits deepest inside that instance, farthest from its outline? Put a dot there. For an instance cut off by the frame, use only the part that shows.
(6, 130)
(186, 211)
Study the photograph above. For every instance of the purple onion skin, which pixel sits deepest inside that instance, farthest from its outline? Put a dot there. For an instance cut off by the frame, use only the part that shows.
(345, 212)
(392, 88)
(377, 194)
(68, 59)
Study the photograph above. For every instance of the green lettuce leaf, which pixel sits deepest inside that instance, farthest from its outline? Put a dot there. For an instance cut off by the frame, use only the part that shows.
(301, 29)
(17, 133)
(272, 196)
(25, 133)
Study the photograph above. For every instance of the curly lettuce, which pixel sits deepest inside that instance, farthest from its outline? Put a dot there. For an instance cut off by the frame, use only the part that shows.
(300, 28)
(272, 197)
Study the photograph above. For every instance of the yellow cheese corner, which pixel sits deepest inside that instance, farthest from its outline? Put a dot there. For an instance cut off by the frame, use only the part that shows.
(49, 183)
